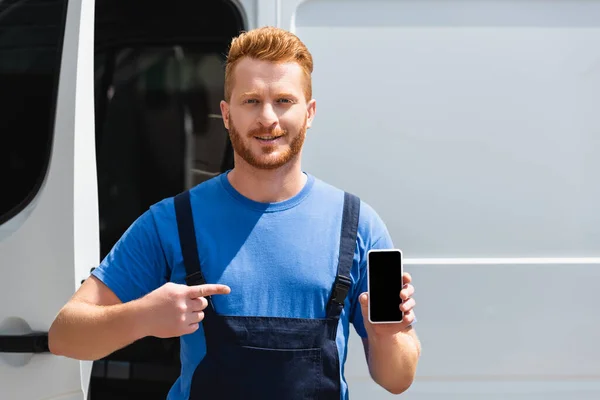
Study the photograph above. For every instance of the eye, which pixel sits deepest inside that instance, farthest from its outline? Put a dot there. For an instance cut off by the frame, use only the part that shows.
(286, 101)
(250, 101)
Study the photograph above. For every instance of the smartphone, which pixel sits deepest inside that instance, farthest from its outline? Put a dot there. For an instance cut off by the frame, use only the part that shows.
(384, 280)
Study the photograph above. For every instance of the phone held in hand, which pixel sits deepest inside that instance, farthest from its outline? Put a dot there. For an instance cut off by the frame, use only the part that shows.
(384, 279)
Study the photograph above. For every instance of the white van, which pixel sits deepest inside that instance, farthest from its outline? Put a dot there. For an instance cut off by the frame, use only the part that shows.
(472, 127)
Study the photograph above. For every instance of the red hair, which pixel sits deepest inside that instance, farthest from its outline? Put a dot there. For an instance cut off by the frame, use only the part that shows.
(268, 44)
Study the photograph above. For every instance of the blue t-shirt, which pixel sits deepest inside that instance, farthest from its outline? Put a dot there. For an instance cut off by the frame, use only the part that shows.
(279, 259)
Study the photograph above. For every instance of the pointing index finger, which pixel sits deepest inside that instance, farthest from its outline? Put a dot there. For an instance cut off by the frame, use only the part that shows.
(208, 289)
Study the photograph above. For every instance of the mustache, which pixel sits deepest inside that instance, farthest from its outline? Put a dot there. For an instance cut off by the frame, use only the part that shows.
(266, 131)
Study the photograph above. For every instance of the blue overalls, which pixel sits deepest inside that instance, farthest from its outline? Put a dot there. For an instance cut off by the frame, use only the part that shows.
(267, 358)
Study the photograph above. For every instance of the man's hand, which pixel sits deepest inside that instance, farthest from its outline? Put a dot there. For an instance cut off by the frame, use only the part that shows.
(174, 310)
(407, 305)
(393, 350)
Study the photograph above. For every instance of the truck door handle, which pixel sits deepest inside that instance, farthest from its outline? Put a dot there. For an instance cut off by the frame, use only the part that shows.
(34, 342)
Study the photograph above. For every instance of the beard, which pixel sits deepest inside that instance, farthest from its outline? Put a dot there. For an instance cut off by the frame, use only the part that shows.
(270, 156)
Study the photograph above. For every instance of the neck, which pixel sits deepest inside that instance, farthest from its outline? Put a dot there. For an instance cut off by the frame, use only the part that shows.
(267, 186)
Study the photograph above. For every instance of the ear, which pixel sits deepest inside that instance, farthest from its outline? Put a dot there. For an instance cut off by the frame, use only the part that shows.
(311, 109)
(225, 113)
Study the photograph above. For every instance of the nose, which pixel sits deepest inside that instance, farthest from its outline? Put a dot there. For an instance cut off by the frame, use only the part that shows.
(267, 116)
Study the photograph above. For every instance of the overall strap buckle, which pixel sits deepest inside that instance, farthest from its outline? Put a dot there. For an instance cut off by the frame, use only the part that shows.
(339, 292)
(340, 289)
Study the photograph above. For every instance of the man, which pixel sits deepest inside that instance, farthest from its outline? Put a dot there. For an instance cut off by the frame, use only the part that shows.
(250, 268)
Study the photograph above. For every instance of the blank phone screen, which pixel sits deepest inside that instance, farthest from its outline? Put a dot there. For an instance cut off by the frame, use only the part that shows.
(385, 283)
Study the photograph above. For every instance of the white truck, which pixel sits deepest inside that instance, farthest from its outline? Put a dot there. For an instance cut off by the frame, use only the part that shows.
(472, 127)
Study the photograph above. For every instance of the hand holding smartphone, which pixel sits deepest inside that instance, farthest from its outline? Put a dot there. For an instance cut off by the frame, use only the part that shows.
(384, 280)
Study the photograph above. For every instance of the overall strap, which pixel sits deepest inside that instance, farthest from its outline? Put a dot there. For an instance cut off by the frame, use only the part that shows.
(342, 283)
(187, 239)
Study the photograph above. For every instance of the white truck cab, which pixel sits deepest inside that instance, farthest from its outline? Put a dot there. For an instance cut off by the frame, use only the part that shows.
(472, 127)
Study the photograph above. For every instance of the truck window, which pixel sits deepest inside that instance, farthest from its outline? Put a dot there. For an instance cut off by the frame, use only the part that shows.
(31, 35)
(159, 75)
(158, 132)
(159, 129)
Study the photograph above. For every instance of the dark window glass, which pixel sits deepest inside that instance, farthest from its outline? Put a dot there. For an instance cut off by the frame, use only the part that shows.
(159, 128)
(159, 71)
(31, 37)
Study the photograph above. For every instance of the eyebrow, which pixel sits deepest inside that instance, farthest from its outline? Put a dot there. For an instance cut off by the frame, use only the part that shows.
(257, 94)
(286, 94)
(250, 94)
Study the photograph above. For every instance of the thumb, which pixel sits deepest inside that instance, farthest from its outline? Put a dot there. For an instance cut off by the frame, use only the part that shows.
(364, 303)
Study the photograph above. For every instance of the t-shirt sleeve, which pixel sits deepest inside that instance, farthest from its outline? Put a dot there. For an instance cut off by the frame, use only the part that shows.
(136, 264)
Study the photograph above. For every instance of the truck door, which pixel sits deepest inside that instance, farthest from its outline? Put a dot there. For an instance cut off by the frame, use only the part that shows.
(48, 208)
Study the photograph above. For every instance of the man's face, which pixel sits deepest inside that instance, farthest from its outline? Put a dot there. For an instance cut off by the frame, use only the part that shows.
(268, 114)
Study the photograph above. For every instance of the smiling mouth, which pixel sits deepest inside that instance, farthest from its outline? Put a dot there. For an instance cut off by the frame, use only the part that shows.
(267, 139)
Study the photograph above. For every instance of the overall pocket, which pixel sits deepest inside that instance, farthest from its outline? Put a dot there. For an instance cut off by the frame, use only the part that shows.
(259, 373)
